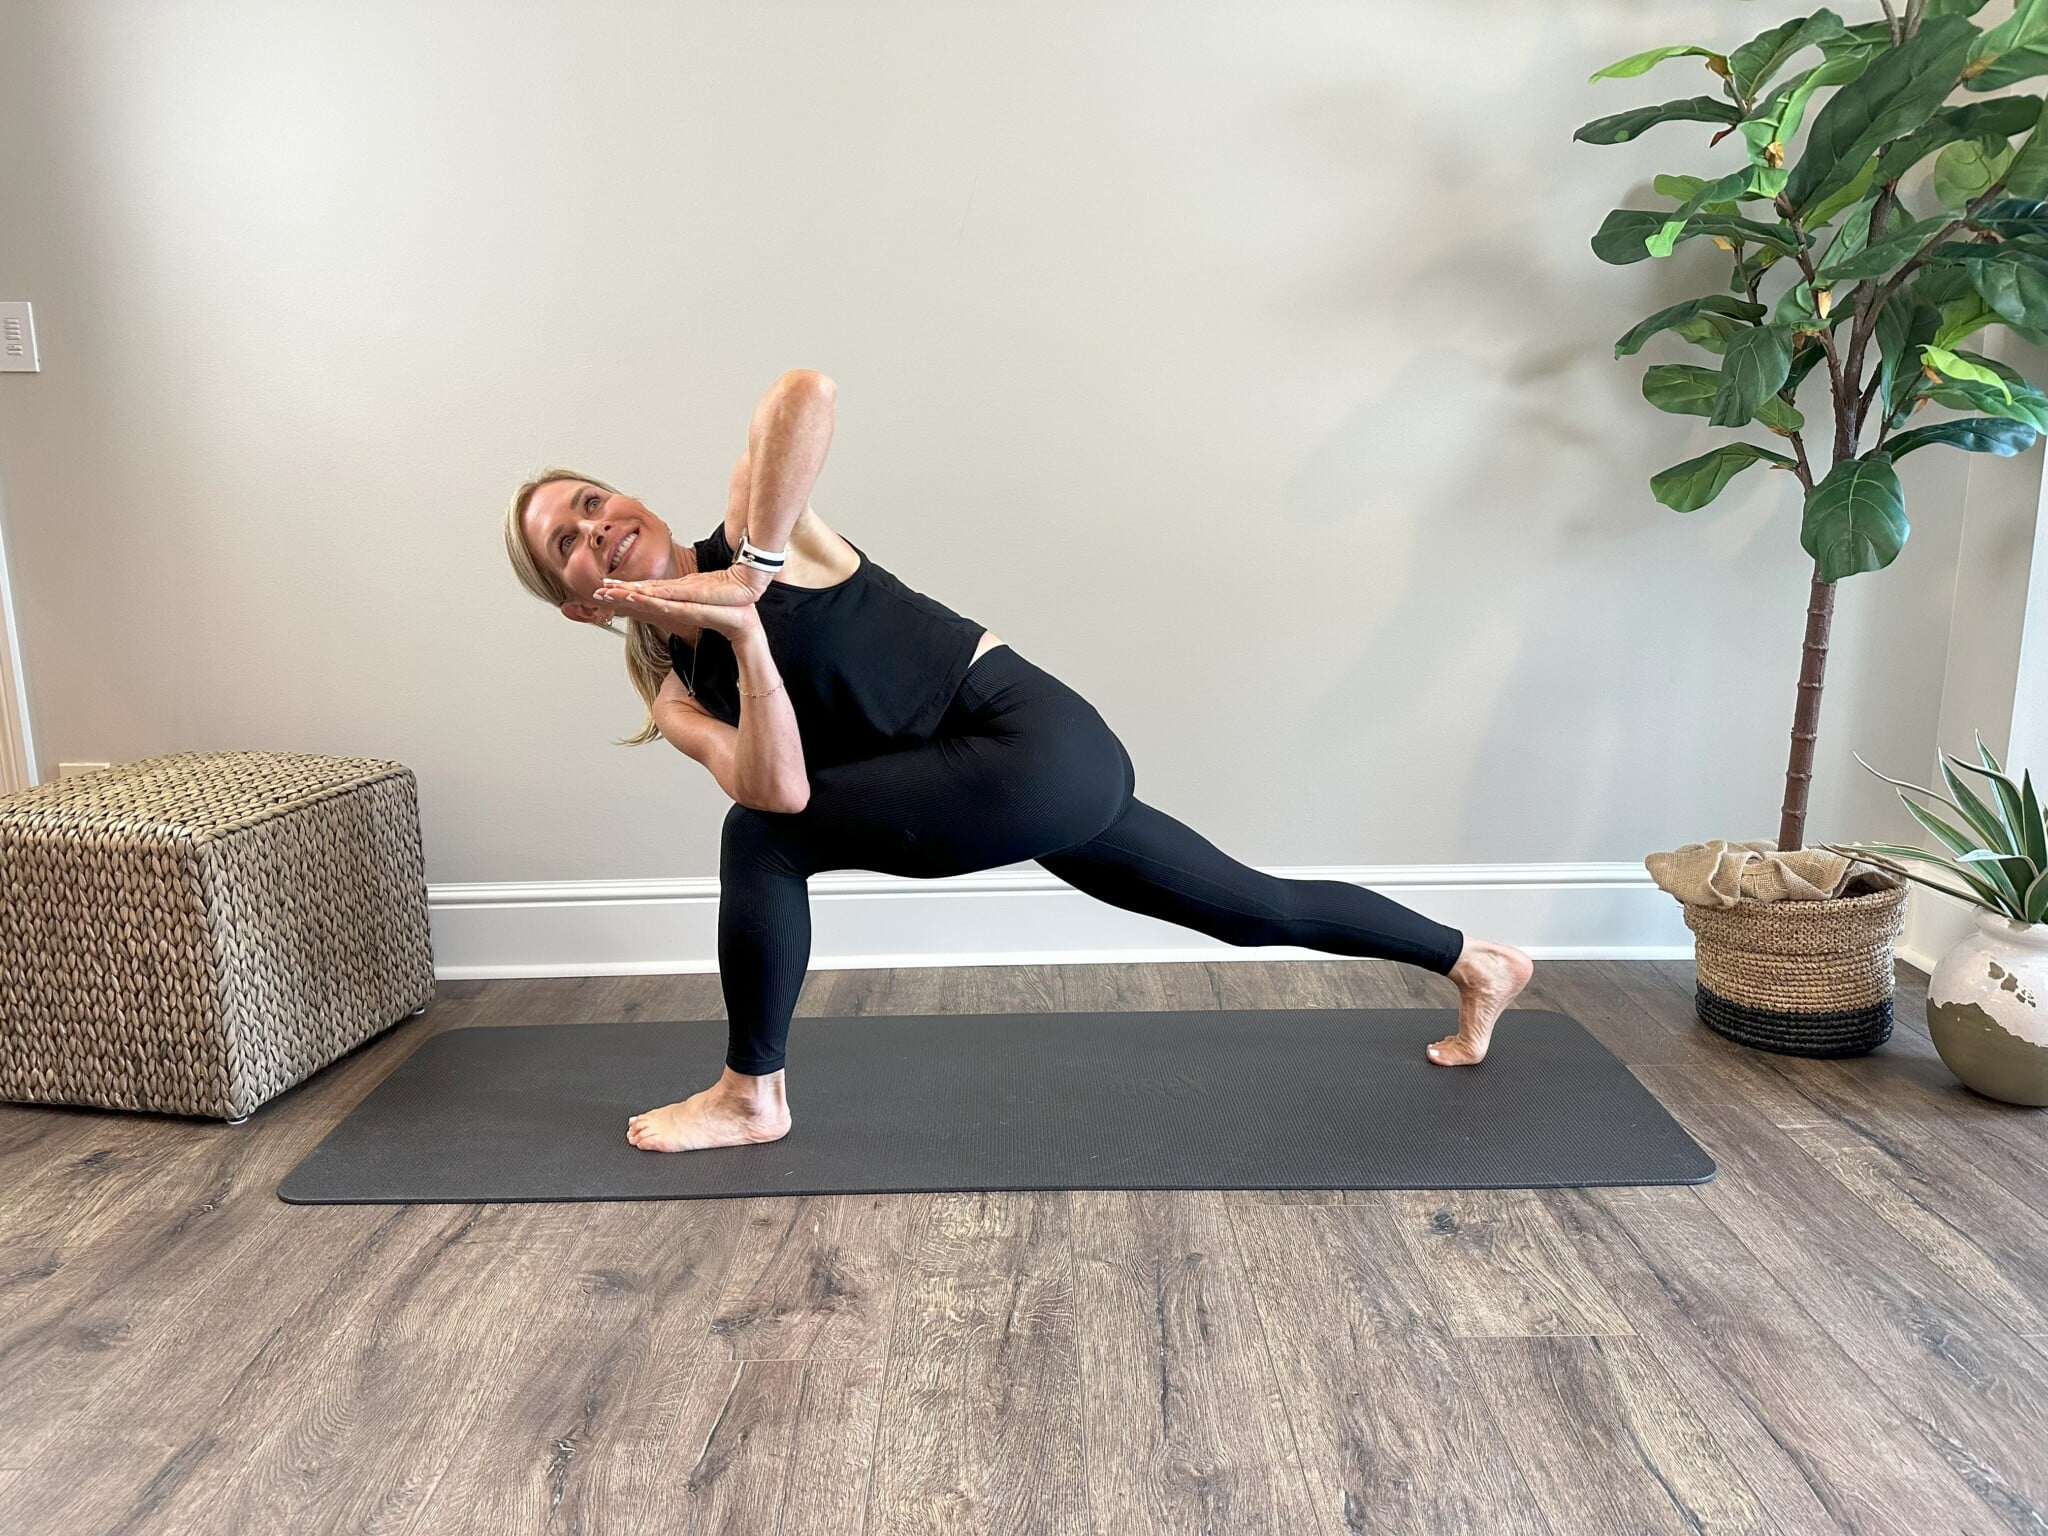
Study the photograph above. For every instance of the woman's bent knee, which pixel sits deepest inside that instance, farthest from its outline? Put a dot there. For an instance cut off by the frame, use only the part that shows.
(1096, 777)
(751, 837)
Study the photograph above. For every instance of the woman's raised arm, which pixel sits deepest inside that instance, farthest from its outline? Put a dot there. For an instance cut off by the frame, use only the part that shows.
(786, 443)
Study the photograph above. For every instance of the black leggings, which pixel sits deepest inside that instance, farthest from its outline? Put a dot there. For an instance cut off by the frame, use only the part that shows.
(1021, 767)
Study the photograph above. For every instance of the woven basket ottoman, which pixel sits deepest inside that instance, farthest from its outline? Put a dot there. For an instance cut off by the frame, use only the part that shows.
(194, 934)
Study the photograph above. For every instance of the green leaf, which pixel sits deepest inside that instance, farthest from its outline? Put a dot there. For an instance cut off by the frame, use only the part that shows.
(1851, 235)
(2005, 371)
(1963, 317)
(1961, 844)
(1902, 784)
(1947, 364)
(1752, 181)
(1876, 853)
(1865, 35)
(1691, 485)
(1942, 282)
(1686, 390)
(1973, 434)
(2027, 176)
(1751, 66)
(1971, 120)
(1620, 127)
(1855, 519)
(2020, 64)
(1666, 319)
(2033, 827)
(1779, 117)
(1875, 261)
(1709, 330)
(1798, 310)
(2015, 284)
(2026, 403)
(1952, 838)
(1677, 188)
(2009, 798)
(1966, 170)
(1904, 326)
(1898, 92)
(2027, 24)
(1624, 235)
(1989, 825)
(2005, 870)
(1642, 63)
(1754, 369)
(1681, 388)
(1779, 414)
(2012, 279)
(1805, 354)
(1850, 191)
(1777, 237)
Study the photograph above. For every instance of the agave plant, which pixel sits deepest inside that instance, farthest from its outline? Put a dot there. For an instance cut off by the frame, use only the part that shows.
(1871, 269)
(2005, 864)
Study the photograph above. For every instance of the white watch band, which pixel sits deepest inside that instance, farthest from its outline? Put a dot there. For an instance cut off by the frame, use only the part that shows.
(770, 560)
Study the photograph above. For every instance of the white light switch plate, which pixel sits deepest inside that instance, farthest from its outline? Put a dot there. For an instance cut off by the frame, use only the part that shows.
(18, 337)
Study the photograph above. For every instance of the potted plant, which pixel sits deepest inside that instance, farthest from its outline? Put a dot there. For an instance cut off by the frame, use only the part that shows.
(1874, 287)
(1987, 997)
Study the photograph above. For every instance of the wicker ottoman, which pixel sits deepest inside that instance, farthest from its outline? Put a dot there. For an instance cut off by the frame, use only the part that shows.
(194, 934)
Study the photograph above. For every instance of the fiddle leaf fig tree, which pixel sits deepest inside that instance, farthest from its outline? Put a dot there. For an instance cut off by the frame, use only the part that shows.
(1834, 270)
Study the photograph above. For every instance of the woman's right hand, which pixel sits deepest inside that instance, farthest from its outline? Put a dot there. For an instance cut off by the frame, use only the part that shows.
(733, 620)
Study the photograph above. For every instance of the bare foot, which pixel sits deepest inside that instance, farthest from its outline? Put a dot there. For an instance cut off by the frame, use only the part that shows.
(717, 1117)
(1488, 977)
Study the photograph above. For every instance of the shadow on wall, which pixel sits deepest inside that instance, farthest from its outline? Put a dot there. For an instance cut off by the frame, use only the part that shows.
(1497, 435)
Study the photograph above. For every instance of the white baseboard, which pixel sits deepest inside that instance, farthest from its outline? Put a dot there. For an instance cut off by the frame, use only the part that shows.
(1935, 924)
(1017, 916)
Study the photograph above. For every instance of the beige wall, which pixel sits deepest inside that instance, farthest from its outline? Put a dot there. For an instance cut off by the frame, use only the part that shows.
(1245, 366)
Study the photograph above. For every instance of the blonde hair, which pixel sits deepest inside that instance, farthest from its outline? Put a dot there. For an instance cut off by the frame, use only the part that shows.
(647, 658)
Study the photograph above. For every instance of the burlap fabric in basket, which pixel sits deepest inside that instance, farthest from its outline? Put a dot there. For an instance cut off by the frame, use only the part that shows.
(1793, 950)
(196, 933)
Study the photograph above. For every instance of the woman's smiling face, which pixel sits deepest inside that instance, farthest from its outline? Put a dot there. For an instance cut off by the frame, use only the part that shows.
(585, 533)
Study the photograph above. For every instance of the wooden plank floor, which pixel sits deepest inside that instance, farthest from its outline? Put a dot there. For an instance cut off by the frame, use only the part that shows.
(1846, 1331)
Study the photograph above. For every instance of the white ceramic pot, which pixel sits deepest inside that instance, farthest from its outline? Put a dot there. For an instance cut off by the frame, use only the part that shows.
(1987, 1008)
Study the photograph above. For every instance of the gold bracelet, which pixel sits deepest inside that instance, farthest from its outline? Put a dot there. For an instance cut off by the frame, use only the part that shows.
(746, 695)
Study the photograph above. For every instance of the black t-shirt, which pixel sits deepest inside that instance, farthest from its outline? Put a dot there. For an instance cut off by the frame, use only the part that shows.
(870, 664)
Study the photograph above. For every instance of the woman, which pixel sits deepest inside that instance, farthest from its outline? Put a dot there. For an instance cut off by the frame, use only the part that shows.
(858, 724)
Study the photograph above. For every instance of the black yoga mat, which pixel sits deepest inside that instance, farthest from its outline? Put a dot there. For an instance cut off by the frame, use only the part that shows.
(1286, 1098)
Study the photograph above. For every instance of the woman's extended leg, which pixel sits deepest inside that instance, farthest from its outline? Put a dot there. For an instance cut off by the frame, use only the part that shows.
(1145, 861)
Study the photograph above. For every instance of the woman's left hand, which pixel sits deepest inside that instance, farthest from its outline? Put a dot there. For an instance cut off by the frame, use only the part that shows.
(736, 585)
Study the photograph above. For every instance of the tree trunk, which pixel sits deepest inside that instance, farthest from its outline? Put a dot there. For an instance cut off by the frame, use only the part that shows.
(1813, 665)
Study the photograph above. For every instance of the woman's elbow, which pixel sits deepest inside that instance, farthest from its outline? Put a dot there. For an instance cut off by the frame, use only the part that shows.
(786, 803)
(807, 382)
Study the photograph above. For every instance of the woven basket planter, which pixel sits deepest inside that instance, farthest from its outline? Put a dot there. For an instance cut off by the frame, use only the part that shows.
(194, 934)
(1802, 978)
